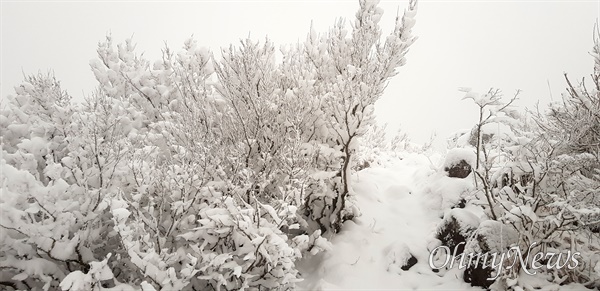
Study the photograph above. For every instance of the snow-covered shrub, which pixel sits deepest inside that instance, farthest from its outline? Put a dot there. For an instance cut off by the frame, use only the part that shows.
(539, 176)
(191, 219)
(53, 177)
(263, 122)
(350, 73)
(190, 173)
(122, 180)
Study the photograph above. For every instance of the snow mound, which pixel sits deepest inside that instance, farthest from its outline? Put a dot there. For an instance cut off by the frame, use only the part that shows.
(443, 192)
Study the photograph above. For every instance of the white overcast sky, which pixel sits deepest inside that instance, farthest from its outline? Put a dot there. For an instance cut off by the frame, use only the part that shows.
(481, 44)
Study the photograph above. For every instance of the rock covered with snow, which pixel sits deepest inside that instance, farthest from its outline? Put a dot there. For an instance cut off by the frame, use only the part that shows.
(459, 162)
(456, 227)
(399, 258)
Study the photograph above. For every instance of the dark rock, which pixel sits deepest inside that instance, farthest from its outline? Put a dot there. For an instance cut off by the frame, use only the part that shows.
(455, 228)
(460, 170)
(411, 262)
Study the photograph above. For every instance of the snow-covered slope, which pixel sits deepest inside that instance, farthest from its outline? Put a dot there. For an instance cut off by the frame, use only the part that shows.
(397, 218)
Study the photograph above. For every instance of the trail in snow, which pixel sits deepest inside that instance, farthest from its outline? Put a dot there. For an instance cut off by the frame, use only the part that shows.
(394, 216)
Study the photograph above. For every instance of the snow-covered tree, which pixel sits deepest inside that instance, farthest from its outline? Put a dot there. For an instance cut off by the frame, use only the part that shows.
(488, 139)
(59, 162)
(351, 71)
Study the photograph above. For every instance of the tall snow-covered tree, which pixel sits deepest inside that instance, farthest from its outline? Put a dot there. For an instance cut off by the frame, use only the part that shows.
(351, 71)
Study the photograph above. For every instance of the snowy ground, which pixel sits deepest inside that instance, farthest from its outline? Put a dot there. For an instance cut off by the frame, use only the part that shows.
(396, 215)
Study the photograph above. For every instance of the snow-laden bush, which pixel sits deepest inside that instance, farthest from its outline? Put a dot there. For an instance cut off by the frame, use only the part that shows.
(52, 184)
(189, 173)
(539, 175)
(194, 217)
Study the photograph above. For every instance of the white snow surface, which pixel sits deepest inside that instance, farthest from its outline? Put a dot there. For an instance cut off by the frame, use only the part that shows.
(466, 218)
(396, 220)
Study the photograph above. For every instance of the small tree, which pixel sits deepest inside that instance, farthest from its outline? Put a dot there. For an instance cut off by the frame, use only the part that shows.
(351, 73)
(492, 111)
